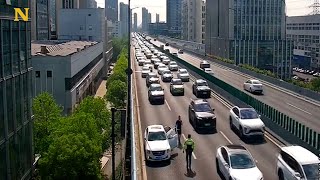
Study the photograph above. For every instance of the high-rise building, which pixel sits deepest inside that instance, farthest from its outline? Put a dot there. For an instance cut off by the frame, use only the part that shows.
(149, 18)
(40, 25)
(203, 22)
(16, 132)
(174, 17)
(145, 17)
(124, 19)
(304, 31)
(135, 22)
(87, 4)
(157, 18)
(52, 19)
(248, 35)
(111, 7)
(64, 4)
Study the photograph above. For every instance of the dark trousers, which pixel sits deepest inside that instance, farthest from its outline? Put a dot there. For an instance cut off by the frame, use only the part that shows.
(188, 159)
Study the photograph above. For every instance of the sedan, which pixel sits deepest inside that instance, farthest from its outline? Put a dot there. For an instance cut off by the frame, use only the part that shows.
(253, 86)
(166, 75)
(162, 68)
(183, 75)
(173, 66)
(209, 71)
(145, 70)
(236, 162)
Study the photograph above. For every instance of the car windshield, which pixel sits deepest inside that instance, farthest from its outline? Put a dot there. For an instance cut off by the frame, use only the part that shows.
(155, 88)
(202, 83)
(204, 107)
(208, 70)
(177, 82)
(204, 62)
(311, 171)
(248, 114)
(145, 68)
(162, 66)
(183, 71)
(173, 63)
(241, 161)
(166, 72)
(152, 75)
(157, 136)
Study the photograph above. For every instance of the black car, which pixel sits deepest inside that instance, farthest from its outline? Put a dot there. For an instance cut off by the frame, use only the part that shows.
(200, 88)
(201, 115)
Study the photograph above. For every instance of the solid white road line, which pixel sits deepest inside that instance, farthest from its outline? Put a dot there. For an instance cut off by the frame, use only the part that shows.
(271, 139)
(193, 155)
(299, 108)
(167, 104)
(226, 137)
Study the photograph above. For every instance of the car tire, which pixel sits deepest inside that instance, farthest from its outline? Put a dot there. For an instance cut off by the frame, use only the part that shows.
(241, 132)
(230, 123)
(280, 174)
(217, 166)
(250, 90)
(182, 94)
(192, 90)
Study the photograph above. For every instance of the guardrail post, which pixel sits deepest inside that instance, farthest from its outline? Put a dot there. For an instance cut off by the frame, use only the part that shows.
(310, 137)
(307, 134)
(318, 141)
(291, 125)
(302, 132)
(314, 139)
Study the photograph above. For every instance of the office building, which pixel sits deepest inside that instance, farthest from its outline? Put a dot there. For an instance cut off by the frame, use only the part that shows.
(52, 19)
(174, 17)
(83, 4)
(123, 19)
(159, 28)
(40, 25)
(82, 24)
(69, 70)
(111, 7)
(157, 18)
(203, 22)
(305, 32)
(249, 35)
(149, 18)
(16, 132)
(135, 22)
(145, 17)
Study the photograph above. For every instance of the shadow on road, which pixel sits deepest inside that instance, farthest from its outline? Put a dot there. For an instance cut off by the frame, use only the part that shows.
(157, 164)
(190, 173)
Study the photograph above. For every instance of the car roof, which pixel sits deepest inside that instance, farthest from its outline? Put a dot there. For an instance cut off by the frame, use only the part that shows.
(155, 85)
(244, 106)
(236, 149)
(176, 79)
(155, 128)
(254, 80)
(200, 81)
(152, 73)
(301, 154)
(204, 61)
(182, 69)
(200, 101)
(207, 69)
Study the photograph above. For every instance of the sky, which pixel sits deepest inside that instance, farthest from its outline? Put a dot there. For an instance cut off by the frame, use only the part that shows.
(294, 7)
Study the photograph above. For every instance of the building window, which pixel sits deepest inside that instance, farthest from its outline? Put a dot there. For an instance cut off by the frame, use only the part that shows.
(9, 105)
(90, 27)
(1, 114)
(49, 74)
(81, 27)
(89, 14)
(37, 74)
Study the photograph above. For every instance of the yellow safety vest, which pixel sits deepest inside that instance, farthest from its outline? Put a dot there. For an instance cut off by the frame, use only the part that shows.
(189, 144)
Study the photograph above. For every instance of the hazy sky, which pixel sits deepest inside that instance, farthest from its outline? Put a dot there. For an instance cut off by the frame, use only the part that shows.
(294, 7)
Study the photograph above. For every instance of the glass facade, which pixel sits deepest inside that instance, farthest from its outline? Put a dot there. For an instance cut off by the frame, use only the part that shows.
(42, 20)
(250, 32)
(16, 155)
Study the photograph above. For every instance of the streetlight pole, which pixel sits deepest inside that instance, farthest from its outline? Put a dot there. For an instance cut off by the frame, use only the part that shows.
(113, 110)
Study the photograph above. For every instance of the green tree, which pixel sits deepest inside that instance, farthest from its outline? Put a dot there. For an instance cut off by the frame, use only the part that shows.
(71, 156)
(315, 83)
(116, 93)
(46, 112)
(97, 107)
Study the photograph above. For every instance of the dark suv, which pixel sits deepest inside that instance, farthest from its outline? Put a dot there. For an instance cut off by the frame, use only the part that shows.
(201, 115)
(200, 88)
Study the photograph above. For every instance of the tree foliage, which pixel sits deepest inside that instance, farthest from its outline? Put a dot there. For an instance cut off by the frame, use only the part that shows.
(117, 92)
(118, 44)
(46, 112)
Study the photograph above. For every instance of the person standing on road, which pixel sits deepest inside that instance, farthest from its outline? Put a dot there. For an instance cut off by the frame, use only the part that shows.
(189, 148)
(179, 128)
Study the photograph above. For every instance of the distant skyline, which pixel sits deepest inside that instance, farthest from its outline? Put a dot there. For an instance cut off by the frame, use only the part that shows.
(294, 7)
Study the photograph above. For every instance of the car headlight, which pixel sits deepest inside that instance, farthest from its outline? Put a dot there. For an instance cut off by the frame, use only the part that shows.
(245, 129)
(148, 152)
(199, 117)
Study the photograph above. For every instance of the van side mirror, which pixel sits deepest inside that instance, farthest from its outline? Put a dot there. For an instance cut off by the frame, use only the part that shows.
(259, 116)
(296, 174)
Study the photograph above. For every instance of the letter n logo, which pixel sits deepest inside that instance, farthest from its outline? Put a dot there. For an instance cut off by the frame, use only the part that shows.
(18, 12)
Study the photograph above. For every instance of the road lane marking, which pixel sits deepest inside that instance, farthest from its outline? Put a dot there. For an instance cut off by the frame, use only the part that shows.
(271, 139)
(167, 104)
(226, 137)
(299, 108)
(184, 137)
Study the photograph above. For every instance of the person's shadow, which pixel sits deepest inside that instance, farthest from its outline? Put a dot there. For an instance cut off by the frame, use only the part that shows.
(190, 173)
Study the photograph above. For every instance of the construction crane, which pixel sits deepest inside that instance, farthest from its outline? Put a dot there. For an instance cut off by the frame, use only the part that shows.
(315, 6)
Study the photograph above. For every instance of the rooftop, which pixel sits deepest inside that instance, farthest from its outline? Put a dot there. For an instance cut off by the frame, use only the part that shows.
(59, 48)
(301, 154)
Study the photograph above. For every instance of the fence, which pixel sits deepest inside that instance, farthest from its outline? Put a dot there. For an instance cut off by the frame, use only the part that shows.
(287, 128)
(201, 53)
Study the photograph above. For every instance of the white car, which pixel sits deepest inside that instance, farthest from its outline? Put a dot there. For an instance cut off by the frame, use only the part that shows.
(162, 57)
(141, 62)
(208, 70)
(235, 162)
(183, 75)
(166, 75)
(145, 70)
(173, 66)
(159, 141)
(297, 163)
(253, 86)
(162, 68)
(247, 122)
(166, 61)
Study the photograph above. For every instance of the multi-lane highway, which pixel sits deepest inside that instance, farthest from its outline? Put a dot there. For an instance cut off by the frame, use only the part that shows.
(297, 107)
(203, 164)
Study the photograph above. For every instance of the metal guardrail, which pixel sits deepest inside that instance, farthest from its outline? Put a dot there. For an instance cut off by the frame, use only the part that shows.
(287, 128)
(133, 143)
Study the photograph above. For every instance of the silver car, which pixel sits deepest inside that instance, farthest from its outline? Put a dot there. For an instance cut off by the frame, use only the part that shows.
(173, 66)
(166, 75)
(176, 87)
(183, 75)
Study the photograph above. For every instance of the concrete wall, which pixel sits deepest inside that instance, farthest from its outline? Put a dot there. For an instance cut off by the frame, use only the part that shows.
(87, 24)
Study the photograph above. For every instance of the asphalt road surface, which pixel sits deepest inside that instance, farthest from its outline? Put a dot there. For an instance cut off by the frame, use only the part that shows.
(295, 106)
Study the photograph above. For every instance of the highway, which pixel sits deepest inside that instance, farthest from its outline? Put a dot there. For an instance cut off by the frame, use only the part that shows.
(293, 105)
(203, 163)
